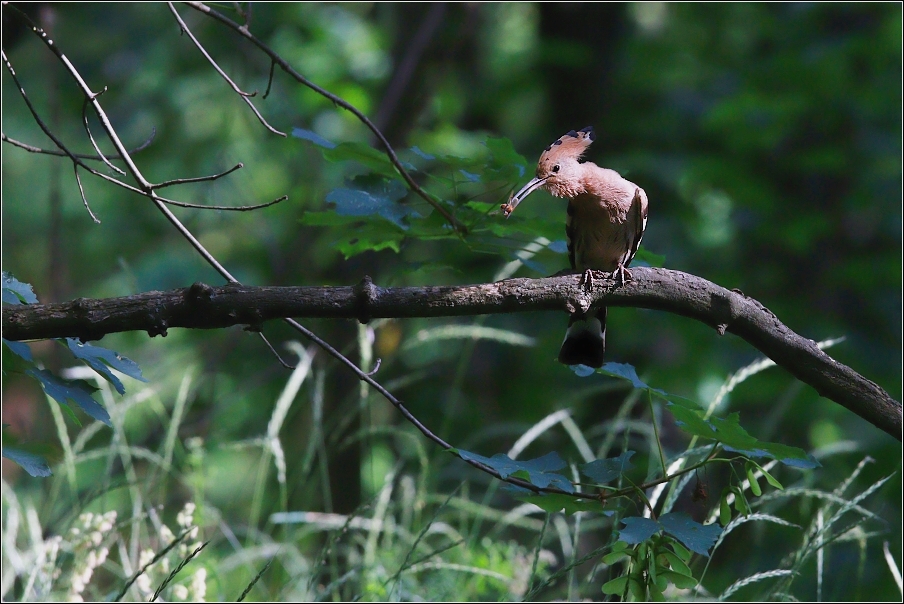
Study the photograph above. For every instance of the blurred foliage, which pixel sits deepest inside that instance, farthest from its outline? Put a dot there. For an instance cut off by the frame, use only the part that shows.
(768, 140)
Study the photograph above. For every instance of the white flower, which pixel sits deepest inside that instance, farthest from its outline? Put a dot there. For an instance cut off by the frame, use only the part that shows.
(180, 592)
(184, 517)
(166, 534)
(143, 583)
(199, 585)
(145, 557)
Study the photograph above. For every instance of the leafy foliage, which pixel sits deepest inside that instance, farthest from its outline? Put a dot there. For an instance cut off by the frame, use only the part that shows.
(63, 391)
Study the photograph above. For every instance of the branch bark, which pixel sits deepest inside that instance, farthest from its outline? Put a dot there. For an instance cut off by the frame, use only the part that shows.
(204, 307)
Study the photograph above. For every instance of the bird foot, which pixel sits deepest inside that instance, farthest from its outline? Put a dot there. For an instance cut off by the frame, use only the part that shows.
(622, 275)
(588, 276)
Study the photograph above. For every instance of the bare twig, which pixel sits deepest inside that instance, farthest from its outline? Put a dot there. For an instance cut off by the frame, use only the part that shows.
(33, 149)
(77, 161)
(196, 206)
(244, 95)
(273, 350)
(340, 102)
(91, 137)
(81, 191)
(270, 79)
(182, 181)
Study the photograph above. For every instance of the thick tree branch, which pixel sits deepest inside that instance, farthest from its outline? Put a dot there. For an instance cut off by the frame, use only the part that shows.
(204, 307)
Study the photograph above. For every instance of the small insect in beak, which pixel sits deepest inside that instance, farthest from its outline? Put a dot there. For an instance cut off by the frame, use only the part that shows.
(509, 207)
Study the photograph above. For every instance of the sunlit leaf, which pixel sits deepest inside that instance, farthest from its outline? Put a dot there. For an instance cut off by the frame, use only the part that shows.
(695, 536)
(102, 359)
(76, 391)
(637, 529)
(32, 463)
(21, 349)
(315, 138)
(370, 195)
(602, 471)
(16, 292)
(540, 472)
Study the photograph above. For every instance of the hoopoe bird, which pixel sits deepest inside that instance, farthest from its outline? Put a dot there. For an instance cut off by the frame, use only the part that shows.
(606, 219)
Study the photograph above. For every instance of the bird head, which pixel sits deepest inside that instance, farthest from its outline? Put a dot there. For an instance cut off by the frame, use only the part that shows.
(559, 169)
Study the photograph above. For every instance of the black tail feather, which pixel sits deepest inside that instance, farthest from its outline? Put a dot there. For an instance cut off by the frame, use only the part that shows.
(585, 340)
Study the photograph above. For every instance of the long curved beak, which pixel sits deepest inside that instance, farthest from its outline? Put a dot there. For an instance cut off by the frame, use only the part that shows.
(518, 197)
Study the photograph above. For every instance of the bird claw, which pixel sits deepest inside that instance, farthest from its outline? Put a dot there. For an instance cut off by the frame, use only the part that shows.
(622, 275)
(587, 278)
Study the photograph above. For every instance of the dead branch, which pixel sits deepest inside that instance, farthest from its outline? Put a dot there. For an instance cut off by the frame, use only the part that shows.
(204, 307)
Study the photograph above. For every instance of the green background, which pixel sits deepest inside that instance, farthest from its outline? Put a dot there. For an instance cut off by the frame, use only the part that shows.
(767, 138)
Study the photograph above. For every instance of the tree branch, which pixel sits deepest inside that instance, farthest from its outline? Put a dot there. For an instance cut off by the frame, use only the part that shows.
(204, 307)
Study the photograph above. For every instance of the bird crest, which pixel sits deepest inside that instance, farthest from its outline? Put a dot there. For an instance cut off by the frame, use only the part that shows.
(568, 146)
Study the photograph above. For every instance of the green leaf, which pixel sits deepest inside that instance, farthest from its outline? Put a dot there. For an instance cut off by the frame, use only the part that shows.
(615, 587)
(363, 154)
(740, 502)
(637, 529)
(100, 358)
(751, 478)
(772, 480)
(16, 292)
(724, 508)
(357, 245)
(614, 557)
(729, 432)
(637, 589)
(77, 391)
(521, 228)
(677, 564)
(20, 349)
(328, 218)
(627, 372)
(602, 471)
(656, 594)
(539, 472)
(557, 502)
(695, 536)
(370, 195)
(690, 418)
(32, 463)
(505, 163)
(651, 564)
(682, 552)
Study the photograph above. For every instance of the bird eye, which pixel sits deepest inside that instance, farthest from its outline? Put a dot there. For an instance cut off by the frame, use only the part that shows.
(555, 168)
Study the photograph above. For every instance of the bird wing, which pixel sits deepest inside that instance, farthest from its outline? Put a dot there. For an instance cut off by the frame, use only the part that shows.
(639, 211)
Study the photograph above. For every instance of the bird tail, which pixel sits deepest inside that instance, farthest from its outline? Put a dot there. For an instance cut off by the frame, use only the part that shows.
(585, 340)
